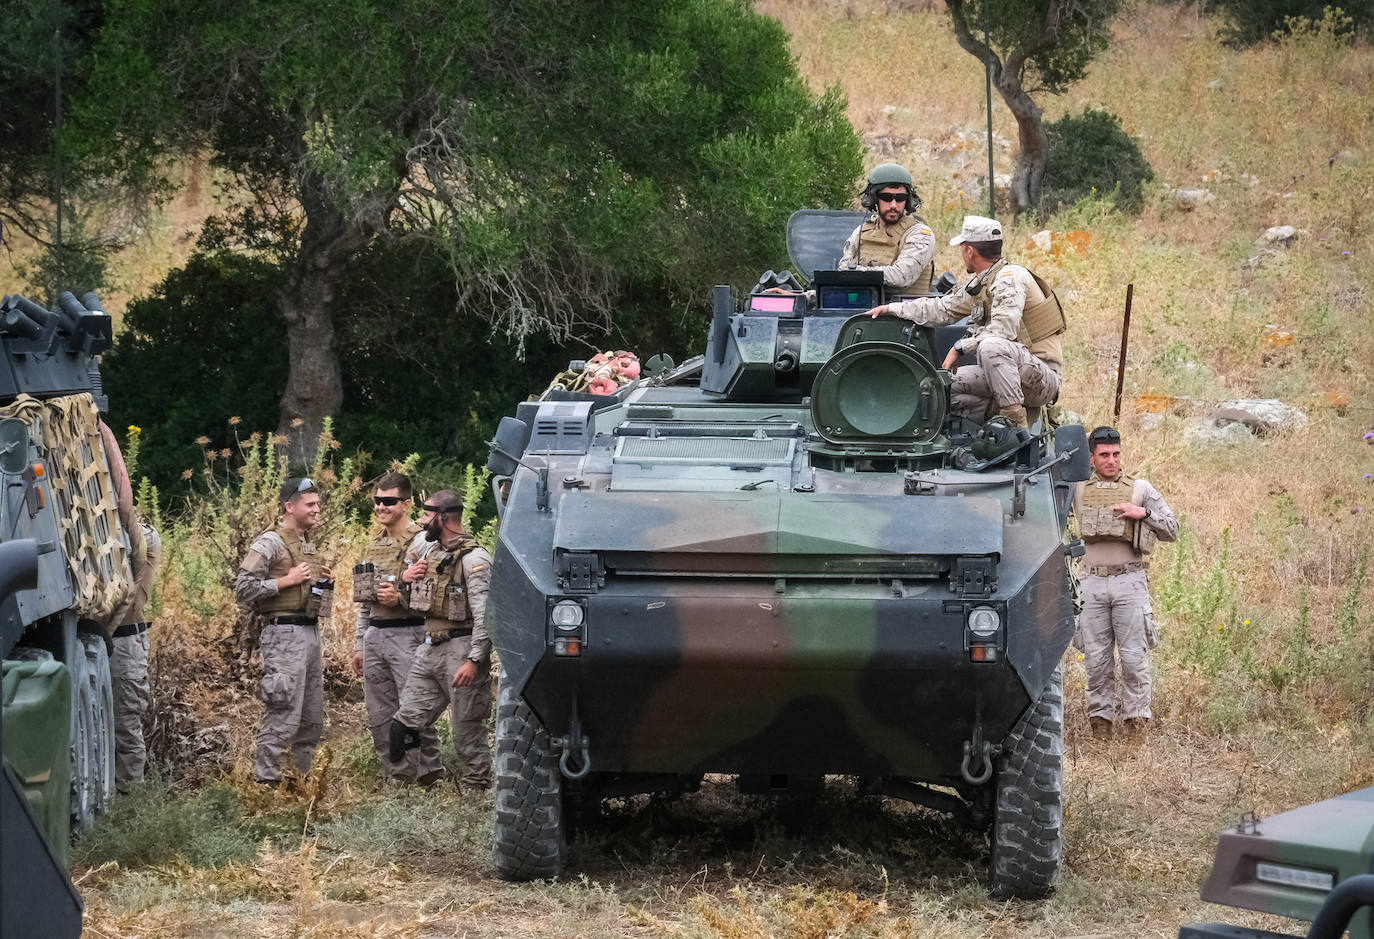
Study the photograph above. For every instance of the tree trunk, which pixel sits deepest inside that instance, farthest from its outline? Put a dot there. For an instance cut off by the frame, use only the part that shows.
(1032, 142)
(314, 383)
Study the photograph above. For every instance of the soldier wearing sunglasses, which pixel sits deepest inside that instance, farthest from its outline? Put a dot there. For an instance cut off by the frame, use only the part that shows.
(449, 575)
(389, 632)
(894, 240)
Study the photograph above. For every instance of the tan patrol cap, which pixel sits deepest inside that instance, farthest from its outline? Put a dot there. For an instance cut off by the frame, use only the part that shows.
(978, 228)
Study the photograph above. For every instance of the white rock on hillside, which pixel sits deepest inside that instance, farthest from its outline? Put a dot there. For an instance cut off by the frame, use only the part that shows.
(1279, 235)
(1189, 199)
(1269, 415)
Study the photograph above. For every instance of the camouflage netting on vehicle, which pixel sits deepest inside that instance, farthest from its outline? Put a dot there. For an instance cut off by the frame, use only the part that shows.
(96, 547)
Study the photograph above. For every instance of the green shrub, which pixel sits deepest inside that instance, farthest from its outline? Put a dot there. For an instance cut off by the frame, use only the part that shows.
(1253, 21)
(1091, 155)
(151, 826)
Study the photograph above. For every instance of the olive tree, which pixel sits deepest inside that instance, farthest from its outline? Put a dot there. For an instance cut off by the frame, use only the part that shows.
(1032, 46)
(558, 154)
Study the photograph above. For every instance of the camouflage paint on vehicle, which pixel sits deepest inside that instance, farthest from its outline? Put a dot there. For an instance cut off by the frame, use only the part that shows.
(1289, 863)
(773, 552)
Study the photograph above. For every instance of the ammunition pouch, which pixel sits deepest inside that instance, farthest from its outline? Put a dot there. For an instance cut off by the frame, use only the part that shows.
(364, 583)
(1043, 318)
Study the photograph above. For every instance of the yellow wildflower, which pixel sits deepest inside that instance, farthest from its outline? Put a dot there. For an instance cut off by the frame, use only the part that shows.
(135, 429)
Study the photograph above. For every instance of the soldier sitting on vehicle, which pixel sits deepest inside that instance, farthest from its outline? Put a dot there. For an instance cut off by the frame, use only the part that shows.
(894, 240)
(1016, 321)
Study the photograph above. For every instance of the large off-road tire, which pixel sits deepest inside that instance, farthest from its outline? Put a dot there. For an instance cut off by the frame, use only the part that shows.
(102, 736)
(1027, 832)
(528, 838)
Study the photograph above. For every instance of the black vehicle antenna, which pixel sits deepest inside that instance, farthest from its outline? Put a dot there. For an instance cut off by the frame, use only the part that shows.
(987, 72)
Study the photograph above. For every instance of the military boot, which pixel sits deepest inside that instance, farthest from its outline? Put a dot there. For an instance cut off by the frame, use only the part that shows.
(1016, 414)
(1136, 728)
(1101, 728)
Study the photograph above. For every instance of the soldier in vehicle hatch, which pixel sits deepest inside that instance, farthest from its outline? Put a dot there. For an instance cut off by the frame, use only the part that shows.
(449, 574)
(1016, 321)
(894, 240)
(1120, 518)
(389, 632)
(284, 580)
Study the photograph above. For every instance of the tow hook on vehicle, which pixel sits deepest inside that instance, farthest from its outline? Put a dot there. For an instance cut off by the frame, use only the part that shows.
(574, 744)
(977, 751)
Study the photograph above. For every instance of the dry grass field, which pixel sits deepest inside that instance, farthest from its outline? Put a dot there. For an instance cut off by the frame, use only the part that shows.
(1263, 681)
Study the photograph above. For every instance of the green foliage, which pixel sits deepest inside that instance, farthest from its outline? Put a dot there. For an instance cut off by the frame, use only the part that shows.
(557, 156)
(1090, 155)
(1253, 21)
(219, 305)
(151, 826)
(1055, 56)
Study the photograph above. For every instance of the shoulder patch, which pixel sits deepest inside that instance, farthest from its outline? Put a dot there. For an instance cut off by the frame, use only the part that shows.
(926, 231)
(1006, 272)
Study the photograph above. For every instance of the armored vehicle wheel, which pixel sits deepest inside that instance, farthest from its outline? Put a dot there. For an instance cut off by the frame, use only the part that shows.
(1027, 831)
(102, 741)
(528, 840)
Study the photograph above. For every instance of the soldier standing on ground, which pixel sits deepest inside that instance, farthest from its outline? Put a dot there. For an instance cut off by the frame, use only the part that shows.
(129, 665)
(1120, 518)
(448, 584)
(389, 632)
(276, 579)
(894, 240)
(1016, 322)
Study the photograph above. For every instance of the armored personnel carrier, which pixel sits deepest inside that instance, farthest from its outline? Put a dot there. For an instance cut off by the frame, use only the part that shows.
(785, 561)
(58, 500)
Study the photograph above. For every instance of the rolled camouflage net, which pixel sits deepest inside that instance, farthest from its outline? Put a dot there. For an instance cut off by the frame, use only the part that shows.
(95, 544)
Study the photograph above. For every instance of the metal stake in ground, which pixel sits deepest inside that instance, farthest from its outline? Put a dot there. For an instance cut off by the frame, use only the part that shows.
(1121, 360)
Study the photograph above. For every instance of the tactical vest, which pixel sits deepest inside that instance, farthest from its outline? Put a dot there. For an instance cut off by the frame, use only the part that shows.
(1042, 322)
(291, 601)
(879, 246)
(387, 555)
(1096, 521)
(442, 593)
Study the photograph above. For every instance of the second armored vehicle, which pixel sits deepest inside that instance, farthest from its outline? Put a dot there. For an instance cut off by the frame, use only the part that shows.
(784, 560)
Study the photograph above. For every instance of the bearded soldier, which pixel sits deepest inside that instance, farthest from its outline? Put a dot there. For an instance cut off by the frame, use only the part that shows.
(448, 578)
(1016, 322)
(1120, 517)
(389, 632)
(894, 240)
(283, 580)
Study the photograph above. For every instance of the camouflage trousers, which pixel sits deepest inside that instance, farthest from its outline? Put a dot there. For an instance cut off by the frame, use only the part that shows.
(429, 689)
(132, 693)
(388, 655)
(292, 693)
(1117, 615)
(1006, 374)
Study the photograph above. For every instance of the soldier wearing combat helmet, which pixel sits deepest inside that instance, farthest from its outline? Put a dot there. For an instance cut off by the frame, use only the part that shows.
(1120, 518)
(894, 240)
(1015, 324)
(448, 576)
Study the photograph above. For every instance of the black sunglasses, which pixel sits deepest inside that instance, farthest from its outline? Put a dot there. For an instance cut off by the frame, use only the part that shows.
(386, 500)
(1105, 436)
(898, 197)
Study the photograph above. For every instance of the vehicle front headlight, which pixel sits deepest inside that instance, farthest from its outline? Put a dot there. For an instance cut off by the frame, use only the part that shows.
(566, 614)
(983, 622)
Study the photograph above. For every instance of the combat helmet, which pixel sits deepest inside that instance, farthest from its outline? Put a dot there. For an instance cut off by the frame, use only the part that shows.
(889, 174)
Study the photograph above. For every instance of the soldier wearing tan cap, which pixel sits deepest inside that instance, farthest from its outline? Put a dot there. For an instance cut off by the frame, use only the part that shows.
(1015, 324)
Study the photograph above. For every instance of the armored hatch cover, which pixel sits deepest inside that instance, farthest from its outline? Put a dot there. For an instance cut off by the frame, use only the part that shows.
(816, 237)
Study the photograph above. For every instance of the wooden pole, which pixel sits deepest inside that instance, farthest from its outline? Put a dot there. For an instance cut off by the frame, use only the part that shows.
(1121, 360)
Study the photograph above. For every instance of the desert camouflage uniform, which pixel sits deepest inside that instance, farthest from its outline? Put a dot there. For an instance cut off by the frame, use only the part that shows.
(908, 262)
(1008, 372)
(129, 666)
(292, 688)
(388, 638)
(429, 687)
(1116, 606)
